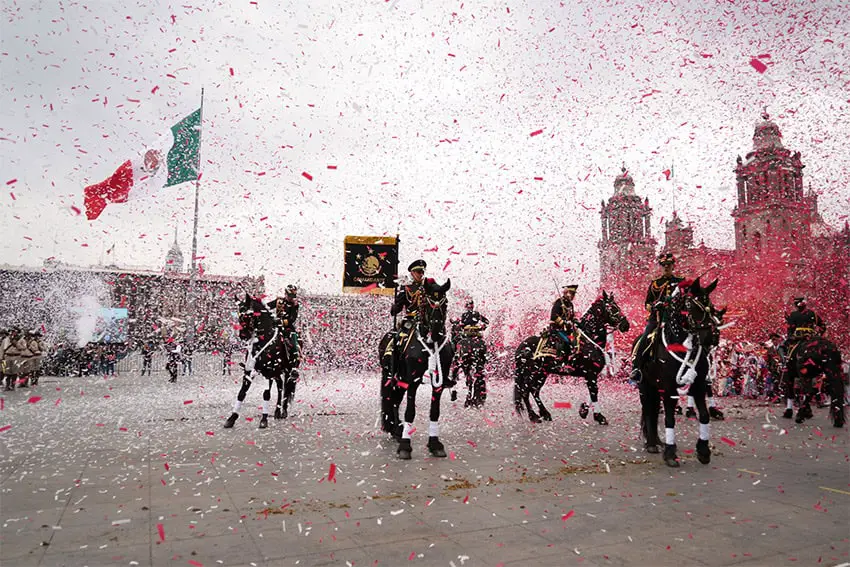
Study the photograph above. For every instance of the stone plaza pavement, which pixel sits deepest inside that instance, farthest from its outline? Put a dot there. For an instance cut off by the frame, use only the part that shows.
(128, 470)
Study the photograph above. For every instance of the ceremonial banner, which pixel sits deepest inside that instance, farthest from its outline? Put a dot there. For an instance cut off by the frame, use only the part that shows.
(371, 264)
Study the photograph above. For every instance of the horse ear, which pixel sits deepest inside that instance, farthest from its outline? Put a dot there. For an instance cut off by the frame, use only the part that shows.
(711, 287)
(446, 286)
(604, 294)
(695, 287)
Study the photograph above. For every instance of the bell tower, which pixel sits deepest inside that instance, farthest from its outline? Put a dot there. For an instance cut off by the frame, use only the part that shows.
(627, 247)
(773, 215)
(174, 258)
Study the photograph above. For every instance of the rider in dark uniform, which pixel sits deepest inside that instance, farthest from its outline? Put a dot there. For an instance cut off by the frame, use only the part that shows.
(286, 310)
(802, 324)
(562, 322)
(408, 300)
(473, 324)
(659, 291)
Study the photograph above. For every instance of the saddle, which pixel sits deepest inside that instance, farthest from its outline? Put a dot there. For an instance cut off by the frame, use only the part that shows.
(548, 346)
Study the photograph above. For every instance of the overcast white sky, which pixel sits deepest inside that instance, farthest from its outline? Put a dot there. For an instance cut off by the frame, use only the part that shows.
(426, 109)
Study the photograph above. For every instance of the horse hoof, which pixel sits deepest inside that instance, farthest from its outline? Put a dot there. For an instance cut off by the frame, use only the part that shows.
(264, 422)
(534, 419)
(703, 451)
(716, 414)
(652, 449)
(405, 450)
(436, 448)
(803, 414)
(231, 421)
(583, 410)
(690, 412)
(544, 416)
(789, 413)
(670, 457)
(600, 419)
(278, 414)
(838, 417)
(678, 410)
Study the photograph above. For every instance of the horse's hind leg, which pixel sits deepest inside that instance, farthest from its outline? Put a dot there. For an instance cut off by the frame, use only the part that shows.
(267, 396)
(237, 405)
(544, 413)
(278, 409)
(649, 403)
(593, 392)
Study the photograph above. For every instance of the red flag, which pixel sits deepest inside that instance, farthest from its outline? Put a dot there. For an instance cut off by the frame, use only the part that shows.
(114, 190)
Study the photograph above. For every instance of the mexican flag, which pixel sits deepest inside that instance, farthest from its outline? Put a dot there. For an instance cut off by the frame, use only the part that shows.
(116, 188)
(183, 165)
(184, 157)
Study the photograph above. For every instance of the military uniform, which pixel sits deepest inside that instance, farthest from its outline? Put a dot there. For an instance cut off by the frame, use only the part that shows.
(659, 291)
(473, 323)
(286, 310)
(803, 323)
(409, 301)
(559, 338)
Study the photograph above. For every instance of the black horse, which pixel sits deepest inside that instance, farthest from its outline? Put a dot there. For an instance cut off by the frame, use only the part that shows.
(586, 361)
(268, 357)
(679, 359)
(470, 358)
(809, 359)
(429, 352)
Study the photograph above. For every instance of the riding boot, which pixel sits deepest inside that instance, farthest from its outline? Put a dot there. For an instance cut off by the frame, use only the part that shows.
(231, 421)
(404, 450)
(703, 451)
(436, 447)
(670, 457)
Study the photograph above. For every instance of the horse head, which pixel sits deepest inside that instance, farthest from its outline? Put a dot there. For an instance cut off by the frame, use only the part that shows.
(700, 316)
(434, 310)
(252, 317)
(614, 316)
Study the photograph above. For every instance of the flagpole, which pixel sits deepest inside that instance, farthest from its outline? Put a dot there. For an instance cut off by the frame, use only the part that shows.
(193, 273)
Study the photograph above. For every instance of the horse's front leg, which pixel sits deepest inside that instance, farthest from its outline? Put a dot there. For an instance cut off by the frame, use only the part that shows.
(267, 396)
(670, 456)
(591, 380)
(289, 383)
(240, 397)
(650, 406)
(530, 386)
(405, 449)
(704, 416)
(435, 446)
(278, 409)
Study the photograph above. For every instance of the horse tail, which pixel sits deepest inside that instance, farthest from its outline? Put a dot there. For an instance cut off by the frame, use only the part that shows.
(519, 375)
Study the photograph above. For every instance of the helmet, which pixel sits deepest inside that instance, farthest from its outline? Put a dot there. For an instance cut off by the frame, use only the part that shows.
(666, 258)
(470, 304)
(291, 291)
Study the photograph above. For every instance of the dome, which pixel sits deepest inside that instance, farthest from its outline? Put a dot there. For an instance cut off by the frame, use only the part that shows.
(623, 184)
(767, 135)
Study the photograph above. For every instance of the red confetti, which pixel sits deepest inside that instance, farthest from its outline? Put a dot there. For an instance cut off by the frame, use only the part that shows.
(758, 65)
(76, 210)
(307, 176)
(153, 90)
(231, 71)
(563, 405)
(332, 473)
(466, 499)
(5, 428)
(412, 555)
(195, 563)
(13, 196)
(568, 515)
(728, 441)
(210, 433)
(11, 182)
(536, 133)
(187, 402)
(33, 399)
(331, 167)
(167, 467)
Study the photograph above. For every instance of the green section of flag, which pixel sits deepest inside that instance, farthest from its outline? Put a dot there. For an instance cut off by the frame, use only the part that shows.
(184, 155)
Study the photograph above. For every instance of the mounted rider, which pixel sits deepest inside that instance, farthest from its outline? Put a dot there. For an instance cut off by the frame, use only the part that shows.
(472, 322)
(657, 295)
(803, 323)
(409, 300)
(285, 309)
(559, 339)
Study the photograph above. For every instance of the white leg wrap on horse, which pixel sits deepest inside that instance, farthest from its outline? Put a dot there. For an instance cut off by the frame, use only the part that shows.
(405, 433)
(789, 404)
(711, 402)
(704, 431)
(433, 429)
(669, 436)
(690, 401)
(265, 407)
(237, 405)
(597, 407)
